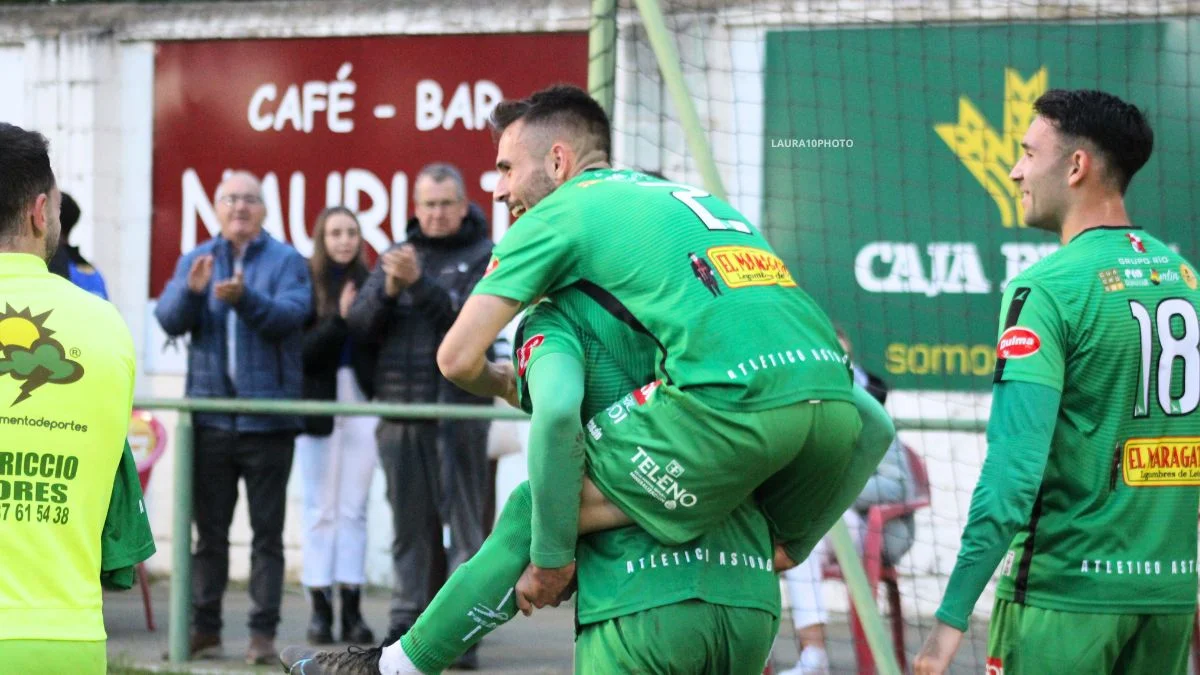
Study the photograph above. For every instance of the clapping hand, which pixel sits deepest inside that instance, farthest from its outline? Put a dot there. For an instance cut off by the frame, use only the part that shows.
(230, 290)
(200, 273)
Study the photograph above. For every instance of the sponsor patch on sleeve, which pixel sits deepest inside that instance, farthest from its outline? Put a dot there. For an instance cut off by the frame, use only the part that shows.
(1162, 462)
(526, 351)
(995, 666)
(1018, 342)
(493, 264)
(643, 394)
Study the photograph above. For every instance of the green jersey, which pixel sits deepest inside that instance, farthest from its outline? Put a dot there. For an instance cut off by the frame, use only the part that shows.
(1109, 320)
(626, 570)
(686, 270)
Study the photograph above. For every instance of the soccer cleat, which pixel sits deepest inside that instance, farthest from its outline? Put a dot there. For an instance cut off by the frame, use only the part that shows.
(309, 661)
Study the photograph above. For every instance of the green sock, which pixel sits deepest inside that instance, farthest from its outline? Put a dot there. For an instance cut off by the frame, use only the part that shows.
(479, 596)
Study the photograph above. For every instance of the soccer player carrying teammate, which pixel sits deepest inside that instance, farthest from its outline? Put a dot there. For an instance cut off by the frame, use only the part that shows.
(755, 387)
(755, 397)
(1088, 496)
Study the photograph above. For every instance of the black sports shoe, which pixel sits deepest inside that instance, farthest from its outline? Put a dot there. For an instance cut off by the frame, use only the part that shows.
(395, 632)
(309, 661)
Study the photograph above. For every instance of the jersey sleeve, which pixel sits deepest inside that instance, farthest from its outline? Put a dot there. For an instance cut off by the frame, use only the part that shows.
(531, 260)
(126, 539)
(1032, 338)
(1019, 432)
(556, 458)
(544, 330)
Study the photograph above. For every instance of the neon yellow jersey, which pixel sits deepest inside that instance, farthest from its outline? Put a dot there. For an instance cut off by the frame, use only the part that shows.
(66, 387)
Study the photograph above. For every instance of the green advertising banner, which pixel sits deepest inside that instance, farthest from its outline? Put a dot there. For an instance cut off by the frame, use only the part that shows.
(887, 154)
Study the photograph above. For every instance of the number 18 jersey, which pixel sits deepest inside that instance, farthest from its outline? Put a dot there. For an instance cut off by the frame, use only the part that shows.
(1110, 320)
(684, 268)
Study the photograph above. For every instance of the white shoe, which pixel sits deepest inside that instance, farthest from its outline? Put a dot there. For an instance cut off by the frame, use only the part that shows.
(813, 661)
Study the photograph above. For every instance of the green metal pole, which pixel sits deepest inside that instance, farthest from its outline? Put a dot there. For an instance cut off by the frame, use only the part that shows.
(934, 424)
(602, 54)
(864, 600)
(449, 411)
(181, 543)
(668, 64)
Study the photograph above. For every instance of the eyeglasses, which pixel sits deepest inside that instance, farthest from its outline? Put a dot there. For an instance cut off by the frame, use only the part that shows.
(249, 200)
(443, 204)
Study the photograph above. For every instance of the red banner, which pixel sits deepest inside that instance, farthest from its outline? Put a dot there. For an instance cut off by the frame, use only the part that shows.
(333, 121)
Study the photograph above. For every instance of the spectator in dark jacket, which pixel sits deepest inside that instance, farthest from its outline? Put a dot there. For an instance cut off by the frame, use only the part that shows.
(243, 298)
(336, 454)
(410, 300)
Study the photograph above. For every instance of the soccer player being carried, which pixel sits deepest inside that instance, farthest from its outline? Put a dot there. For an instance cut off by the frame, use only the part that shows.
(753, 398)
(1088, 497)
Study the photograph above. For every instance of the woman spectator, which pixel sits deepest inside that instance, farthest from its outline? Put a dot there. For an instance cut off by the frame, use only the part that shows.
(337, 455)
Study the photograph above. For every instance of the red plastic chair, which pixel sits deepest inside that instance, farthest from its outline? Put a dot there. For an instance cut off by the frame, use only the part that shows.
(147, 441)
(878, 572)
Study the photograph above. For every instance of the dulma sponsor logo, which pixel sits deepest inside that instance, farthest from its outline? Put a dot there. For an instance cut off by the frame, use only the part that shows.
(526, 351)
(1017, 343)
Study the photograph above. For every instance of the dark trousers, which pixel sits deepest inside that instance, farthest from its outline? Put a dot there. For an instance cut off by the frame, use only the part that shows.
(263, 461)
(420, 487)
(468, 485)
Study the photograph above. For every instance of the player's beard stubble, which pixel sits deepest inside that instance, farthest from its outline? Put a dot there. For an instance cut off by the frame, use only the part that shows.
(540, 187)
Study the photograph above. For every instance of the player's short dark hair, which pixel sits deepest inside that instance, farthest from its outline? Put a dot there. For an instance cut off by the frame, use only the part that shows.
(1116, 128)
(25, 173)
(559, 105)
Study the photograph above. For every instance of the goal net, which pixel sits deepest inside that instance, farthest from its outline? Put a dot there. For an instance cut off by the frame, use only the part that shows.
(872, 143)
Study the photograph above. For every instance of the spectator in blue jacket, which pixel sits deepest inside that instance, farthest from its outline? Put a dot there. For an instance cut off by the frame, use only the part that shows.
(243, 298)
(67, 262)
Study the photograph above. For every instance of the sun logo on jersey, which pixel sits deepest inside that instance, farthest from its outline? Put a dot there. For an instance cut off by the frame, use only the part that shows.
(1189, 277)
(29, 354)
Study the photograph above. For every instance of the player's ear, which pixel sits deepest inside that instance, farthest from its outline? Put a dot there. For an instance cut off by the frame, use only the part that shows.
(40, 214)
(562, 162)
(1079, 165)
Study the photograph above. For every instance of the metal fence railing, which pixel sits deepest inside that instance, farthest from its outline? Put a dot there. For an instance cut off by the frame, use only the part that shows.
(181, 540)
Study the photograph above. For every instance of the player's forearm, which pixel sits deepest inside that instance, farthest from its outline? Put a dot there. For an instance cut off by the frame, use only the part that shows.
(462, 356)
(484, 378)
(555, 458)
(1019, 435)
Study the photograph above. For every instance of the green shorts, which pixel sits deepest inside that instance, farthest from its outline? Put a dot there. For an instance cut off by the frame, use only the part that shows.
(686, 638)
(1024, 639)
(678, 467)
(54, 656)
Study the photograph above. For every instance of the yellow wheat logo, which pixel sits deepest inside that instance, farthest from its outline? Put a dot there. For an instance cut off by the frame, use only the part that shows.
(990, 156)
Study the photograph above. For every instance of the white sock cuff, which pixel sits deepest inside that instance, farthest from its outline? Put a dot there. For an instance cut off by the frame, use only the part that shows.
(394, 661)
